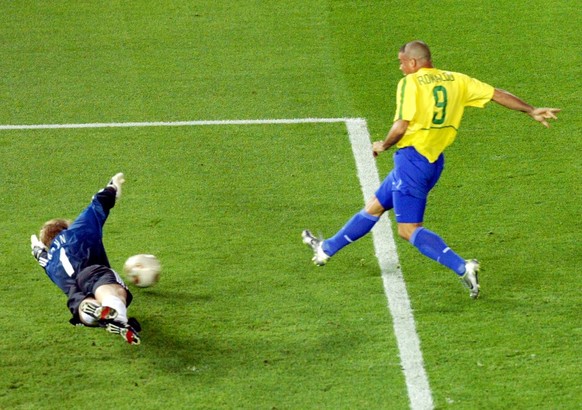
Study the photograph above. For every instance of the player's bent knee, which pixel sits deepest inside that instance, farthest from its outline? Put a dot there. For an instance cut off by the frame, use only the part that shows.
(374, 207)
(405, 230)
(111, 290)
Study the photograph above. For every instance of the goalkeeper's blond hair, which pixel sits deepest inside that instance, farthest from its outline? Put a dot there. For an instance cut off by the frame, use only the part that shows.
(51, 229)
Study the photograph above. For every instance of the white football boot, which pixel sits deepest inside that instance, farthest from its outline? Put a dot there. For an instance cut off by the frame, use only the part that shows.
(97, 311)
(125, 330)
(320, 258)
(470, 279)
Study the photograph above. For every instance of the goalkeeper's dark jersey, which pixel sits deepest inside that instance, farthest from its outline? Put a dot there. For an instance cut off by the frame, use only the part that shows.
(80, 245)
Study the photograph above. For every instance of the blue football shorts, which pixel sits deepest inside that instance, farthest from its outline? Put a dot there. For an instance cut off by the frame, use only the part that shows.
(406, 187)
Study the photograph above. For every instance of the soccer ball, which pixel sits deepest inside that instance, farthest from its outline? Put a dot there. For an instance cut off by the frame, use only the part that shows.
(142, 270)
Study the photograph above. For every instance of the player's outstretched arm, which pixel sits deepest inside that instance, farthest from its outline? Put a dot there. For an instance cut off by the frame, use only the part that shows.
(512, 102)
(101, 203)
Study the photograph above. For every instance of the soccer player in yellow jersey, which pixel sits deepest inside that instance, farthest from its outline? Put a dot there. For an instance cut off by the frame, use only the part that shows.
(429, 108)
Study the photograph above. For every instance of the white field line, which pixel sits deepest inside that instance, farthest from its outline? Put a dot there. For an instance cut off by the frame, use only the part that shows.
(172, 123)
(398, 302)
(411, 360)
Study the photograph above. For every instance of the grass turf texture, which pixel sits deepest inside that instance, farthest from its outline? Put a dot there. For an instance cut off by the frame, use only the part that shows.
(240, 318)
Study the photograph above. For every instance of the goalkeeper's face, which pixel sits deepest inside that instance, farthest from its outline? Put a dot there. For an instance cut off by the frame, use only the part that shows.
(51, 229)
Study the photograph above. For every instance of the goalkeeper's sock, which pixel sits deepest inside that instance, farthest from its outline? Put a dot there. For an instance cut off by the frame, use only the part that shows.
(360, 224)
(432, 246)
(117, 304)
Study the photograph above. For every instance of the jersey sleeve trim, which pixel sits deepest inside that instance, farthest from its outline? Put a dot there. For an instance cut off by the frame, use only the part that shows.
(401, 103)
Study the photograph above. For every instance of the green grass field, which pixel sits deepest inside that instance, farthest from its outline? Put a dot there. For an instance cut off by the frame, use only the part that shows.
(241, 318)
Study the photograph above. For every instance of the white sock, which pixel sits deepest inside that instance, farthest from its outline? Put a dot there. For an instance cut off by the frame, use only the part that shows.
(117, 304)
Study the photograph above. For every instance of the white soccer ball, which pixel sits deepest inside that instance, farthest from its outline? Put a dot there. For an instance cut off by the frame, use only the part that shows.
(142, 270)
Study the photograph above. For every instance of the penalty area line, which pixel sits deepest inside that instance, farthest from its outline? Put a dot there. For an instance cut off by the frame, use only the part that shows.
(174, 123)
(419, 392)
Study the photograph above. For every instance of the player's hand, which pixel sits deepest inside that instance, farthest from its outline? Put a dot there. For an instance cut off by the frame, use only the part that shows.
(377, 148)
(543, 114)
(116, 181)
(35, 243)
(38, 250)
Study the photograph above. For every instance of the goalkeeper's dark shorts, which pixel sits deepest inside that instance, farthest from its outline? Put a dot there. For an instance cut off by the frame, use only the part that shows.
(87, 282)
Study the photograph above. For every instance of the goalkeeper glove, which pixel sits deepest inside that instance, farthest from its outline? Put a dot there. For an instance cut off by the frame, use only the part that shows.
(38, 251)
(116, 181)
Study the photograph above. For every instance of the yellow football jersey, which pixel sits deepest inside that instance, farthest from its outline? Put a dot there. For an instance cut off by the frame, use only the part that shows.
(433, 101)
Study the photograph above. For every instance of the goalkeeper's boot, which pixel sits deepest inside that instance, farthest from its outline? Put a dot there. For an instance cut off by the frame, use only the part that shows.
(125, 330)
(134, 323)
(471, 279)
(320, 258)
(98, 312)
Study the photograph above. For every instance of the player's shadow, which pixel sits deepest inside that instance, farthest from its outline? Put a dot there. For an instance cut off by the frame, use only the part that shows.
(177, 298)
(169, 321)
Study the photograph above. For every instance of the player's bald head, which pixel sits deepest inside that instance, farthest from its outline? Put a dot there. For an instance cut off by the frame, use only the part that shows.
(417, 49)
